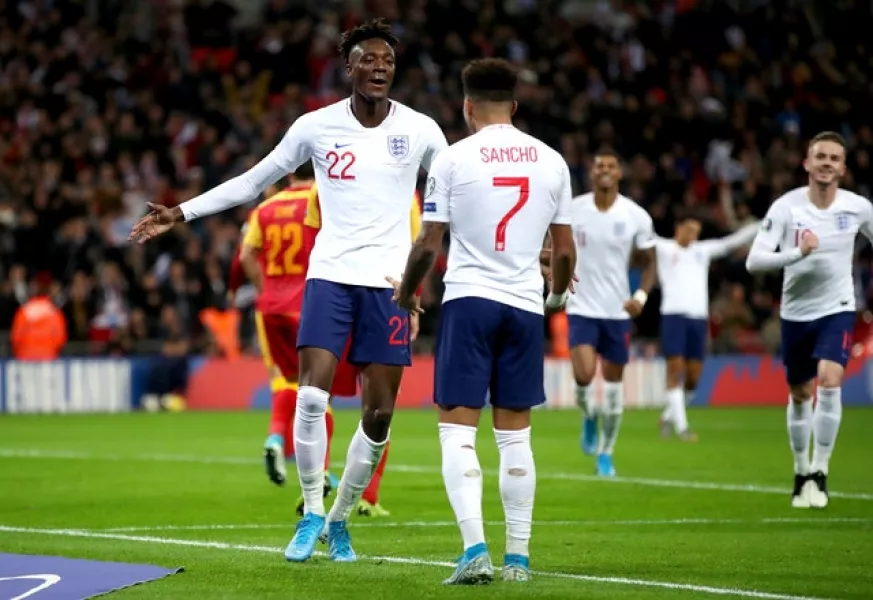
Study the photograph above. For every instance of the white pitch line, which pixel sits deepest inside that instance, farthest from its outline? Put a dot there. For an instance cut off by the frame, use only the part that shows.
(440, 524)
(402, 468)
(688, 587)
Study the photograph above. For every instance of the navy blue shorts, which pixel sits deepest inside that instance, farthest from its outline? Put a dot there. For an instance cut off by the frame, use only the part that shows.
(684, 337)
(332, 312)
(804, 343)
(486, 346)
(609, 337)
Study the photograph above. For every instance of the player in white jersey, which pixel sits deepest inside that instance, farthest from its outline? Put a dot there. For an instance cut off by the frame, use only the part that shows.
(607, 227)
(814, 229)
(683, 273)
(499, 192)
(366, 151)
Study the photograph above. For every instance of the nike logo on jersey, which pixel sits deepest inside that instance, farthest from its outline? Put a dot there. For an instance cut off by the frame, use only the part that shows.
(338, 146)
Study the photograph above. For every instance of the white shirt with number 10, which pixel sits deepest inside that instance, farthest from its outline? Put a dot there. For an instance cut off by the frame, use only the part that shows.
(365, 178)
(499, 190)
(604, 242)
(821, 283)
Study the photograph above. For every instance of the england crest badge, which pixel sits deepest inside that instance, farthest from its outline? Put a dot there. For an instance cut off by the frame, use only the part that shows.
(398, 146)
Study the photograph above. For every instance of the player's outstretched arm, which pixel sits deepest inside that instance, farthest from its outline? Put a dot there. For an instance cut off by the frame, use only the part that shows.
(291, 152)
(723, 246)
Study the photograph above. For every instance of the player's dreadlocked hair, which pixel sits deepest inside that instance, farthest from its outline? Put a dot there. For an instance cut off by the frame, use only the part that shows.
(489, 80)
(375, 29)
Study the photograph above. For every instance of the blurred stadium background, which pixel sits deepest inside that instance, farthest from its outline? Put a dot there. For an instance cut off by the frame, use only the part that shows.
(108, 104)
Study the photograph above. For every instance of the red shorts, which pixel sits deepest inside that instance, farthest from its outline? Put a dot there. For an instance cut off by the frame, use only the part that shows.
(277, 335)
(345, 380)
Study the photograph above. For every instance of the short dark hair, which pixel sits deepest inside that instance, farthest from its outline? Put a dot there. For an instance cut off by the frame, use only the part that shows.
(489, 80)
(375, 29)
(305, 171)
(828, 136)
(689, 214)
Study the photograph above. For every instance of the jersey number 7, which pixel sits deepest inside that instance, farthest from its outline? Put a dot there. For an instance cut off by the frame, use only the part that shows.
(523, 185)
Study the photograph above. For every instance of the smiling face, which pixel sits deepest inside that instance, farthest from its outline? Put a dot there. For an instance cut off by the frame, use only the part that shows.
(825, 162)
(371, 69)
(606, 172)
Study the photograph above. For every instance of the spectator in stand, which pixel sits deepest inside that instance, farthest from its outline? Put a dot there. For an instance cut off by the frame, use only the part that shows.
(38, 329)
(106, 105)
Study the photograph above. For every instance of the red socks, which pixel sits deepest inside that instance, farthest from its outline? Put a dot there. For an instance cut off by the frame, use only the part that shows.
(282, 417)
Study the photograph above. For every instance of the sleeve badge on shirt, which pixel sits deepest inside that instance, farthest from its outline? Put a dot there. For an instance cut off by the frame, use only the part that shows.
(398, 146)
(767, 225)
(429, 188)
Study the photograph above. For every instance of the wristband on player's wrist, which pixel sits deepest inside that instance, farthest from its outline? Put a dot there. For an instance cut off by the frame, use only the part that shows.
(641, 296)
(557, 300)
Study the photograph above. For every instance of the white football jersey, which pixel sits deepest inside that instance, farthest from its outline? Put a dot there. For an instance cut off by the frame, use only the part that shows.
(499, 190)
(819, 284)
(604, 241)
(365, 176)
(683, 272)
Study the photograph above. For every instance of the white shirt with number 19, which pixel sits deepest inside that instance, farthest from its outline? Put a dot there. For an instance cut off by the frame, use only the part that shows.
(604, 241)
(499, 190)
(821, 283)
(365, 178)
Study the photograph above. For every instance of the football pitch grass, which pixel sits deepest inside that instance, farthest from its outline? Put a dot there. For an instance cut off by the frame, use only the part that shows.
(681, 520)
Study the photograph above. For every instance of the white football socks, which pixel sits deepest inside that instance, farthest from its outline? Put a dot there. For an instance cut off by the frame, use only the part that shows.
(825, 425)
(310, 445)
(517, 487)
(463, 479)
(361, 460)
(585, 401)
(799, 428)
(676, 406)
(613, 407)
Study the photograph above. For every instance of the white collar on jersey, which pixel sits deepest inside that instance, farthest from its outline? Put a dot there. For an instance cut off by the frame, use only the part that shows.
(499, 126)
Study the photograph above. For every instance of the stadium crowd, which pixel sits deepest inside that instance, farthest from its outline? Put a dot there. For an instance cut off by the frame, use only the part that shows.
(105, 105)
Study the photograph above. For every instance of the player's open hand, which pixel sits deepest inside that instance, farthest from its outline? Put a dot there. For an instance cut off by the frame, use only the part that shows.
(159, 220)
(633, 308)
(411, 303)
(808, 242)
